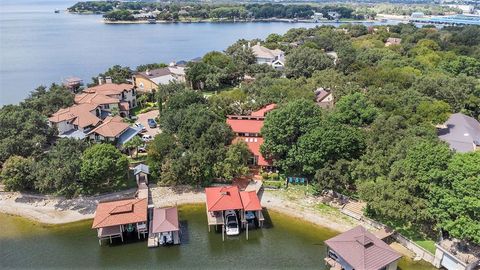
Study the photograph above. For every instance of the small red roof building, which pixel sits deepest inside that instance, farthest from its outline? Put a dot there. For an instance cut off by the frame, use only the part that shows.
(223, 198)
(250, 201)
(165, 220)
(120, 212)
(264, 110)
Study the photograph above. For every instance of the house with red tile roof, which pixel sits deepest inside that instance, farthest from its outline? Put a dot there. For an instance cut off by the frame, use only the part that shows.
(247, 128)
(79, 118)
(124, 93)
(359, 249)
(114, 218)
(113, 129)
(93, 105)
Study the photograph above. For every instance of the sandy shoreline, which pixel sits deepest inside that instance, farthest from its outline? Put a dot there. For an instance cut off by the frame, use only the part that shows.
(57, 210)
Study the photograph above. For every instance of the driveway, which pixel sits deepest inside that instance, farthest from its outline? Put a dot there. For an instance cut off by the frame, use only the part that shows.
(142, 118)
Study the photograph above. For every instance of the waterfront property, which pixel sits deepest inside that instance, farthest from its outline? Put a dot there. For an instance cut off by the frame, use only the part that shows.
(360, 250)
(91, 115)
(149, 80)
(274, 58)
(115, 218)
(460, 19)
(247, 128)
(164, 226)
(461, 132)
(226, 204)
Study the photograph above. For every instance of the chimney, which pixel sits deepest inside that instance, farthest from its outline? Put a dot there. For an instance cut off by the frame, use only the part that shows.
(147, 72)
(243, 47)
(100, 80)
(108, 79)
(249, 44)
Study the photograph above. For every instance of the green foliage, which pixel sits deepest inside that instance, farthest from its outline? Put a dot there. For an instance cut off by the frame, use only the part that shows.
(435, 112)
(117, 73)
(337, 177)
(58, 172)
(327, 142)
(134, 143)
(47, 101)
(103, 168)
(16, 174)
(146, 67)
(454, 202)
(119, 15)
(23, 132)
(355, 110)
(235, 162)
(303, 61)
(283, 128)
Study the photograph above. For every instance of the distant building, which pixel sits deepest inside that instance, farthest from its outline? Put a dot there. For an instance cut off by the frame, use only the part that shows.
(461, 132)
(324, 98)
(360, 250)
(466, 9)
(333, 15)
(393, 41)
(317, 16)
(274, 58)
(149, 80)
(73, 83)
(417, 15)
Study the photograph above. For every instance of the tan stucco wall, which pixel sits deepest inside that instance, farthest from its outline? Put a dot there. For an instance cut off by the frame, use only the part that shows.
(148, 85)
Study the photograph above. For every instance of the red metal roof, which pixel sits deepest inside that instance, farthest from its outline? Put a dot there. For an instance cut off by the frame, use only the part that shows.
(245, 125)
(165, 220)
(250, 201)
(264, 110)
(223, 198)
(120, 212)
(254, 144)
(362, 250)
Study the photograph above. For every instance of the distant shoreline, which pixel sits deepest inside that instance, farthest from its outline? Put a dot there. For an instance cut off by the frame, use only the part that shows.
(238, 21)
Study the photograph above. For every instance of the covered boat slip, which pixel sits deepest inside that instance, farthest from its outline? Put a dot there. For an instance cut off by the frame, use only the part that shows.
(246, 204)
(113, 218)
(164, 227)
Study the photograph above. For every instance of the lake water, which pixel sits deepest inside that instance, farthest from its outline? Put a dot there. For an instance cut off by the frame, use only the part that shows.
(285, 243)
(38, 46)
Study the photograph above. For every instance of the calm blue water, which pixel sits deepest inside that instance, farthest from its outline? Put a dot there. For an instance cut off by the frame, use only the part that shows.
(38, 46)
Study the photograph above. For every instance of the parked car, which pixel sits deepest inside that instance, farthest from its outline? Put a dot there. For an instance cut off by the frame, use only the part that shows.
(147, 138)
(231, 223)
(143, 129)
(151, 123)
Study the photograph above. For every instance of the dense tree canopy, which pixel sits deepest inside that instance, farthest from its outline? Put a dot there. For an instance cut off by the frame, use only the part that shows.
(23, 132)
(103, 168)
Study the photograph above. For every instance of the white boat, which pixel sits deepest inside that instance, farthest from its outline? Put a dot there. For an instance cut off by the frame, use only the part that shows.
(166, 238)
(231, 223)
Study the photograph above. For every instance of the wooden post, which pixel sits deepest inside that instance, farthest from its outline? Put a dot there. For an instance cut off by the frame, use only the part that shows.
(247, 229)
(110, 239)
(223, 232)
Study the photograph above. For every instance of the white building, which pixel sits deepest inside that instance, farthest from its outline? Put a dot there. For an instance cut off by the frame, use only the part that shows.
(274, 58)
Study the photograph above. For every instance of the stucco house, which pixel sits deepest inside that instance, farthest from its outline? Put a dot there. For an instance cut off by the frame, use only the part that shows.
(113, 129)
(149, 80)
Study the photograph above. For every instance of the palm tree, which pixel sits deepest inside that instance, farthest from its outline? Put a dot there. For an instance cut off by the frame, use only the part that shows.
(135, 142)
